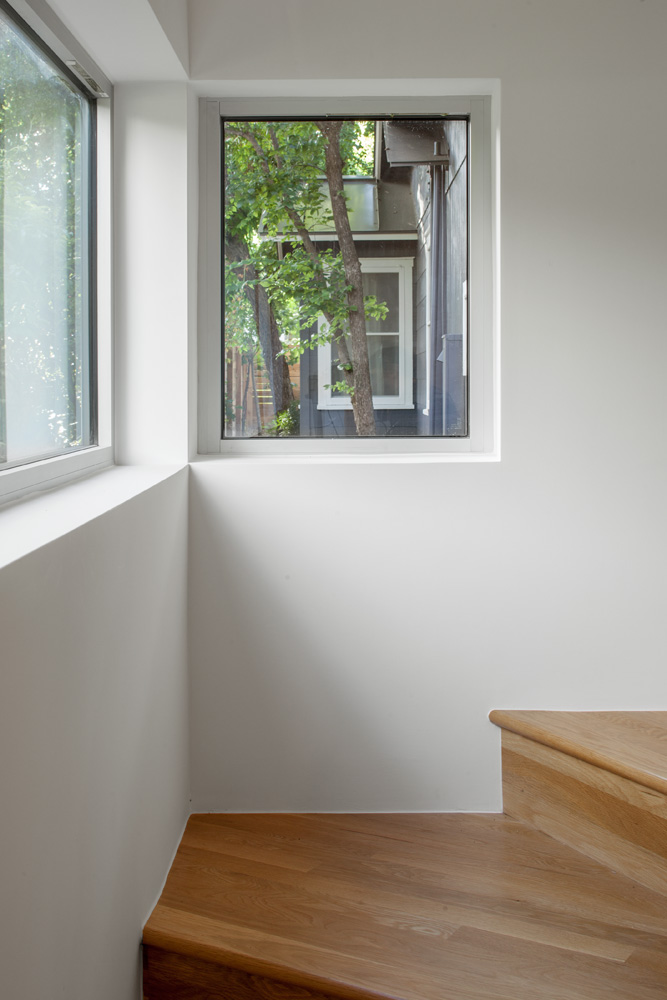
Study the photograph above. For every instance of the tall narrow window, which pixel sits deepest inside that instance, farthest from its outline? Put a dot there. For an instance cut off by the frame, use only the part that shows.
(46, 193)
(345, 256)
(390, 341)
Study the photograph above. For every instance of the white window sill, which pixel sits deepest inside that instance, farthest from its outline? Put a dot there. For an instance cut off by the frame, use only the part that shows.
(45, 517)
(370, 451)
(18, 481)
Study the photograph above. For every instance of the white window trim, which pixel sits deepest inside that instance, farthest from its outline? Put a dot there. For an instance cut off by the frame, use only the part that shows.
(19, 481)
(402, 266)
(483, 442)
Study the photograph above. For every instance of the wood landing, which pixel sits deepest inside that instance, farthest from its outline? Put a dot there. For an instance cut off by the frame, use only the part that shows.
(410, 907)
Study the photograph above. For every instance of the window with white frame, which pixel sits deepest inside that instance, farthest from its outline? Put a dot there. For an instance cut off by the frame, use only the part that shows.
(390, 341)
(419, 187)
(320, 339)
(48, 403)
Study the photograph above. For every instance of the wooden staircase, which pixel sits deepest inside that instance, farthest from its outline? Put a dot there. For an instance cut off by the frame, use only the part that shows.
(594, 780)
(560, 898)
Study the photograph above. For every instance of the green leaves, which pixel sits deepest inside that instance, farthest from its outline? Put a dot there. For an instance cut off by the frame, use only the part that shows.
(270, 167)
(357, 147)
(342, 387)
(274, 177)
(240, 327)
(286, 423)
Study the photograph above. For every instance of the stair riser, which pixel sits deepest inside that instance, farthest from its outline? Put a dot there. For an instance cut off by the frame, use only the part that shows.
(611, 819)
(170, 976)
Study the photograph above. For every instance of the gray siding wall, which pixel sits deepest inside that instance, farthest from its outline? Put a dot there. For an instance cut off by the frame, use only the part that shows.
(421, 184)
(456, 268)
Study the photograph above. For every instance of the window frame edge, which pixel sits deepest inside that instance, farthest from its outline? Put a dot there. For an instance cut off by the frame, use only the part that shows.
(20, 480)
(483, 443)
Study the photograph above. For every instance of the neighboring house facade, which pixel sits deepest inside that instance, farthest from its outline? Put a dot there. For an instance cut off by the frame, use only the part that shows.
(410, 227)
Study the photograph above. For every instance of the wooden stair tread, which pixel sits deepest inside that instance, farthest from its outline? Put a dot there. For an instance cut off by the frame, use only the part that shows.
(630, 744)
(410, 907)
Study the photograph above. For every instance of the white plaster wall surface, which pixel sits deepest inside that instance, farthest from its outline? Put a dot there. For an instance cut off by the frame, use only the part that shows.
(126, 38)
(151, 267)
(173, 17)
(352, 625)
(440, 38)
(93, 740)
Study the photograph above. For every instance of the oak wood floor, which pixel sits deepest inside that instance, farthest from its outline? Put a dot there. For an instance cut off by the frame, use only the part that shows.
(412, 907)
(630, 744)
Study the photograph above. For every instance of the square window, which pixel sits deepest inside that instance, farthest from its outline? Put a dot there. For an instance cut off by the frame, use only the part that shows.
(345, 264)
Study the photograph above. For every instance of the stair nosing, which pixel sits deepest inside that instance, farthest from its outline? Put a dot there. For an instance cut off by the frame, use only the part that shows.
(242, 961)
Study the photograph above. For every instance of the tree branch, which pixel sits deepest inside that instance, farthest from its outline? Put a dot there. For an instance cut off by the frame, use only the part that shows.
(254, 142)
(298, 223)
(362, 397)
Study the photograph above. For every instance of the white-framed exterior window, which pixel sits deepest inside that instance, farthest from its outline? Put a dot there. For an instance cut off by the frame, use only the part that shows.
(55, 393)
(389, 340)
(482, 354)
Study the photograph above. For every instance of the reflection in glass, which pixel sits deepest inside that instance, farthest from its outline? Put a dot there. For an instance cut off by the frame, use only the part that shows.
(44, 153)
(384, 286)
(383, 359)
(384, 364)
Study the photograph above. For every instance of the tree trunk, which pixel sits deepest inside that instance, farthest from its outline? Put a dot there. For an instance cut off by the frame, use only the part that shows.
(267, 330)
(311, 250)
(309, 246)
(362, 396)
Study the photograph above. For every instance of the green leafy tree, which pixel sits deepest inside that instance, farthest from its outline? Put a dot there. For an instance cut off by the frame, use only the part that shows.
(41, 248)
(275, 193)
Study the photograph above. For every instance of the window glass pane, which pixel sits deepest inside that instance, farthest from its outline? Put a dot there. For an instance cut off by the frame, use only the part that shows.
(337, 373)
(44, 250)
(290, 295)
(384, 286)
(383, 357)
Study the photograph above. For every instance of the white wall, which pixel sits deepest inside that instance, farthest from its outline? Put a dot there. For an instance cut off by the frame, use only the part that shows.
(361, 682)
(152, 177)
(93, 586)
(126, 37)
(352, 625)
(93, 740)
(173, 17)
(93, 583)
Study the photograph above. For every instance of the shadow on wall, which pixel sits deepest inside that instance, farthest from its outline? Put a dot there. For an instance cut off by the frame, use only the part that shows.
(295, 704)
